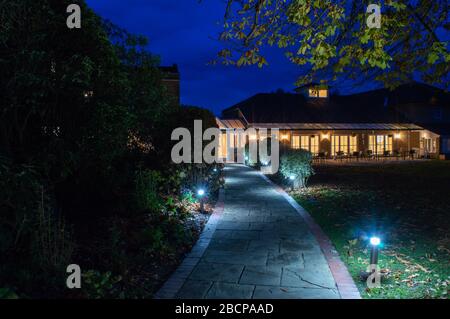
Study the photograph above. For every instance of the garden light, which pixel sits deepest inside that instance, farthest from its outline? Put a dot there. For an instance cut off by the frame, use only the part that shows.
(292, 177)
(215, 170)
(375, 242)
(200, 194)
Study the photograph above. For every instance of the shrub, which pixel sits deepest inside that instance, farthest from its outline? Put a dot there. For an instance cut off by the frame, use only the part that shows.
(53, 245)
(98, 285)
(35, 244)
(296, 164)
(147, 190)
(6, 293)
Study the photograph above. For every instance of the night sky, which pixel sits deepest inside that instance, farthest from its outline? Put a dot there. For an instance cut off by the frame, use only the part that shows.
(185, 32)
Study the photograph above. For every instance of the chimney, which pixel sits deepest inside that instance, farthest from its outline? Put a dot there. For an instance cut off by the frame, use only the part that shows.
(171, 81)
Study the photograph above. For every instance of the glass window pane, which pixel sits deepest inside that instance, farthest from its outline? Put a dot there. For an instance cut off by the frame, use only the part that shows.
(295, 142)
(314, 145)
(353, 144)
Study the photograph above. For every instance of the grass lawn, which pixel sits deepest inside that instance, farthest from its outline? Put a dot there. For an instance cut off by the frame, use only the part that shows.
(407, 204)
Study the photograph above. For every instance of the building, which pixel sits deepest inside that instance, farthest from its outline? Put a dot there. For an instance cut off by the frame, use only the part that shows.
(413, 120)
(171, 81)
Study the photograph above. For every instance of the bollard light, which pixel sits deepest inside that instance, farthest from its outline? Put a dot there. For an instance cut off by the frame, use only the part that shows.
(375, 243)
(200, 194)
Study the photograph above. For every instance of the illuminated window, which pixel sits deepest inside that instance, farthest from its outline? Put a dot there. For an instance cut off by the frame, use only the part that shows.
(378, 144)
(353, 144)
(306, 142)
(343, 143)
(296, 142)
(315, 92)
(314, 149)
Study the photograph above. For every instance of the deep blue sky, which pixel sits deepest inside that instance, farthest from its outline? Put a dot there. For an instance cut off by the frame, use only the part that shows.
(185, 32)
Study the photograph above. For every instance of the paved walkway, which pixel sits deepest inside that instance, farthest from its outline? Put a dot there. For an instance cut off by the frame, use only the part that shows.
(260, 248)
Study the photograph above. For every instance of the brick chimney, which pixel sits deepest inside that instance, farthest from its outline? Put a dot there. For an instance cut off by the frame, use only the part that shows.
(171, 81)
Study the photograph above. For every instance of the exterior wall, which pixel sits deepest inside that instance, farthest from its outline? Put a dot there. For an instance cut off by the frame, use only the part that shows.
(172, 86)
(429, 144)
(402, 141)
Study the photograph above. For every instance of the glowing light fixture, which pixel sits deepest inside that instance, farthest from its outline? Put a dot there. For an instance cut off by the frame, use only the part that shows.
(397, 136)
(375, 241)
(292, 177)
(325, 136)
(284, 137)
(200, 194)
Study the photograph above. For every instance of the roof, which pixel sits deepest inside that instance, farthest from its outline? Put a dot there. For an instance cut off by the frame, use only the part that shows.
(170, 72)
(230, 124)
(440, 129)
(372, 107)
(338, 126)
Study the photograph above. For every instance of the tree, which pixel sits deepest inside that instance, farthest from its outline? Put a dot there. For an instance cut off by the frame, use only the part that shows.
(296, 167)
(331, 36)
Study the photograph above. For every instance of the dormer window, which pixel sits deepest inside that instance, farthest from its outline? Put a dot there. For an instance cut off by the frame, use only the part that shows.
(314, 90)
(317, 92)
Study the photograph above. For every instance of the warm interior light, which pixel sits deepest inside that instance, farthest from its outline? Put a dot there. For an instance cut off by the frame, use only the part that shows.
(318, 92)
(375, 241)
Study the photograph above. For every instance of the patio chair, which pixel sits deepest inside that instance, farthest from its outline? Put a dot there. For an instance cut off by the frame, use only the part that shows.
(340, 155)
(396, 154)
(412, 154)
(369, 154)
(386, 154)
(356, 155)
(322, 156)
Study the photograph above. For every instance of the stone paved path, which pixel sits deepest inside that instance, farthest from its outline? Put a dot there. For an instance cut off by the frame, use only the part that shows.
(261, 248)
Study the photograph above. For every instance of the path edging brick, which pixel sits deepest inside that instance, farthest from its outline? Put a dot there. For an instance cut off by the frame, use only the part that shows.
(171, 287)
(344, 281)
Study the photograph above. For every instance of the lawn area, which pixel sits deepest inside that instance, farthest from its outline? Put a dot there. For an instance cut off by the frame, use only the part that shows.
(407, 204)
